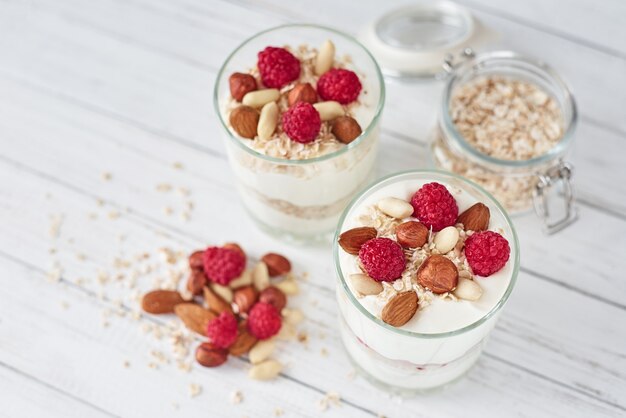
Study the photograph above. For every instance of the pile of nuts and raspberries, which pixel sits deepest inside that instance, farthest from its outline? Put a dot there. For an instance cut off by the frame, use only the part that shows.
(304, 94)
(423, 248)
(238, 309)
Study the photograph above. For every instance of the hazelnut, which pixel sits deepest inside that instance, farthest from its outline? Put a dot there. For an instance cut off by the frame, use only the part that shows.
(346, 129)
(277, 265)
(412, 234)
(302, 93)
(244, 298)
(240, 84)
(438, 274)
(196, 281)
(274, 297)
(196, 261)
(208, 355)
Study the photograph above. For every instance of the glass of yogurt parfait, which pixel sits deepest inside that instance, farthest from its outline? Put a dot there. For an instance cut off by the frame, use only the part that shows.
(425, 262)
(300, 108)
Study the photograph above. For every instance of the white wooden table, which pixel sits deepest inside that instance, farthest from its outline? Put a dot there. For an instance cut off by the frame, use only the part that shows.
(125, 87)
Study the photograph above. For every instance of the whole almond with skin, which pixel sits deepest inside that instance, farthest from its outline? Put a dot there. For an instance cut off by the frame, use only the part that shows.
(244, 121)
(303, 92)
(352, 239)
(196, 260)
(438, 274)
(208, 355)
(329, 110)
(346, 129)
(244, 342)
(260, 98)
(274, 297)
(195, 317)
(267, 121)
(215, 302)
(244, 298)
(400, 308)
(196, 281)
(161, 301)
(240, 84)
(277, 265)
(365, 285)
(475, 218)
(412, 234)
(325, 58)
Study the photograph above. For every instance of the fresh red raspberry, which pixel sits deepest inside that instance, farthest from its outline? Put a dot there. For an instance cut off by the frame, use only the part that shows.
(340, 85)
(278, 67)
(486, 252)
(222, 330)
(264, 321)
(383, 259)
(434, 206)
(221, 265)
(301, 122)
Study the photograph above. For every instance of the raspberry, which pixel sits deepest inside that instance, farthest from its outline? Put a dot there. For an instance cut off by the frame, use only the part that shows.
(434, 206)
(383, 259)
(340, 85)
(221, 265)
(486, 252)
(263, 321)
(301, 122)
(222, 330)
(277, 67)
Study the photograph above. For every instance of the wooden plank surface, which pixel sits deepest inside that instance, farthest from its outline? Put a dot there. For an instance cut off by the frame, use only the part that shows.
(124, 87)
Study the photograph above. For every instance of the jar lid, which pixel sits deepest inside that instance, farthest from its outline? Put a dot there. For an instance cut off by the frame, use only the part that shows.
(413, 41)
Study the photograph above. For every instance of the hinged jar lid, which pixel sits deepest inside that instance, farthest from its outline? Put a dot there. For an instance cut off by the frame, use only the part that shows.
(413, 41)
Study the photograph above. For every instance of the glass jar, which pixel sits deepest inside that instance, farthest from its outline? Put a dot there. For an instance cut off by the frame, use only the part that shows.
(301, 200)
(517, 184)
(399, 360)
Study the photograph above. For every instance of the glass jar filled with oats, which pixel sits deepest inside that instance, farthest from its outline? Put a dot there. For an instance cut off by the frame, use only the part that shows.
(507, 122)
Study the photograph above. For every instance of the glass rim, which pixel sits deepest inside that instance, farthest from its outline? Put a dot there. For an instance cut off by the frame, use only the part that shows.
(355, 143)
(434, 174)
(569, 103)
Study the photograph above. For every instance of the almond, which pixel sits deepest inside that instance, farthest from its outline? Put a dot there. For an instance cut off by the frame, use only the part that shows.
(235, 247)
(196, 260)
(266, 370)
(260, 276)
(274, 296)
(446, 239)
(244, 298)
(438, 274)
(215, 302)
(161, 301)
(244, 342)
(241, 84)
(302, 93)
(260, 98)
(209, 355)
(412, 234)
(329, 110)
(268, 121)
(244, 121)
(346, 129)
(325, 58)
(475, 218)
(224, 292)
(243, 280)
(352, 239)
(288, 287)
(261, 351)
(277, 265)
(195, 317)
(292, 316)
(468, 290)
(400, 308)
(196, 281)
(394, 207)
(365, 285)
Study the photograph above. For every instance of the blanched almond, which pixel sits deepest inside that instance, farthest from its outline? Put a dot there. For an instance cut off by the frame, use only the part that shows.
(446, 239)
(394, 207)
(244, 280)
(329, 110)
(292, 316)
(468, 290)
(325, 58)
(266, 370)
(365, 285)
(267, 121)
(289, 287)
(261, 351)
(223, 291)
(260, 98)
(260, 276)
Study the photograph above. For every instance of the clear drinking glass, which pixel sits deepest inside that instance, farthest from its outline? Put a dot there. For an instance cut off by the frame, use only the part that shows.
(399, 360)
(301, 200)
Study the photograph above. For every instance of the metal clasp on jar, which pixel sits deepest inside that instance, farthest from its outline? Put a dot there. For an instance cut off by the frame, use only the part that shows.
(561, 172)
(450, 64)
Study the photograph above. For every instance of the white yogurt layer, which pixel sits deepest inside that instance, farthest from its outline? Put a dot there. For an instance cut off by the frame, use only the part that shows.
(440, 315)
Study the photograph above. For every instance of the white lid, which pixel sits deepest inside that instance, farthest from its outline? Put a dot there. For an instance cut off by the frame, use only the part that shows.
(413, 41)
